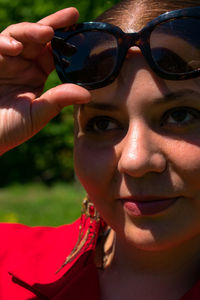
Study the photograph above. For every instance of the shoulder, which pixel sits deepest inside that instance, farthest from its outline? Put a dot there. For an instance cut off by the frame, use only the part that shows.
(30, 257)
(40, 249)
(11, 234)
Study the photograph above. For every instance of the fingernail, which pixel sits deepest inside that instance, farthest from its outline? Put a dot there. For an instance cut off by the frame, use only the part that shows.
(15, 43)
(83, 101)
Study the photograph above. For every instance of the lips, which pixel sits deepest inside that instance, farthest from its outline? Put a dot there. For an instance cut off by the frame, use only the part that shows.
(147, 206)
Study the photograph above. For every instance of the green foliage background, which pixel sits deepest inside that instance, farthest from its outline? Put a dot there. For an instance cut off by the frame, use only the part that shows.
(47, 157)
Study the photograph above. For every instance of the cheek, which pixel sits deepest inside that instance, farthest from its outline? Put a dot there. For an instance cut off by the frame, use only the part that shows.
(94, 166)
(185, 160)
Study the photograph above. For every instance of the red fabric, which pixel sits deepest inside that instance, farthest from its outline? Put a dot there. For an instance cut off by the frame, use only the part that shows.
(29, 258)
(33, 255)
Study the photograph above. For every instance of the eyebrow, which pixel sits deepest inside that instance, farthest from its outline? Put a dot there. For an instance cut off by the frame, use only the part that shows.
(171, 96)
(101, 106)
(174, 96)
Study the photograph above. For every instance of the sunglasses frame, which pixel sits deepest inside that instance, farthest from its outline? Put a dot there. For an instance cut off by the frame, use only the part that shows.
(140, 39)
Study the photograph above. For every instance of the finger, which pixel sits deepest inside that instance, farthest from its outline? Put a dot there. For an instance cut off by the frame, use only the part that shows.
(10, 46)
(33, 36)
(16, 70)
(29, 32)
(64, 95)
(63, 18)
(12, 66)
(51, 103)
(46, 61)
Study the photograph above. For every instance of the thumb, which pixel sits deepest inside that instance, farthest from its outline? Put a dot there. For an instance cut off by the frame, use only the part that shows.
(51, 103)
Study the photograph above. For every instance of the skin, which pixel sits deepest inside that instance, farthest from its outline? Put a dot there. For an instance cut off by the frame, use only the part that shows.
(143, 149)
(26, 61)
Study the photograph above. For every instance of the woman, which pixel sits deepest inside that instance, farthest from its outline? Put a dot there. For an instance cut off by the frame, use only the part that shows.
(136, 153)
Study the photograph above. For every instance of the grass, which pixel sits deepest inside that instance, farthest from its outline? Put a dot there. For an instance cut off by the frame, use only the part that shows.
(36, 204)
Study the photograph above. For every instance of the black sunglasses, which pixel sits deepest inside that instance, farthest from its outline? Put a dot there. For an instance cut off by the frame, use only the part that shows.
(91, 54)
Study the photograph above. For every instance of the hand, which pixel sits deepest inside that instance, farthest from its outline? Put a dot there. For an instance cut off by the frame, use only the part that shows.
(25, 63)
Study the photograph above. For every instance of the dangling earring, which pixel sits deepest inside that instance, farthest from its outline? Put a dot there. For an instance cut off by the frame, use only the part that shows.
(105, 248)
(90, 225)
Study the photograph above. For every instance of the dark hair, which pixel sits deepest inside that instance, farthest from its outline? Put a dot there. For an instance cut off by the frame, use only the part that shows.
(134, 14)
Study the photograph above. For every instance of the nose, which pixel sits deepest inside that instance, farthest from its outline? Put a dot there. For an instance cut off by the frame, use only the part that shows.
(141, 152)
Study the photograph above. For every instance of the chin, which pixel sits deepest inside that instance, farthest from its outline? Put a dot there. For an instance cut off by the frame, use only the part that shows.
(146, 242)
(151, 239)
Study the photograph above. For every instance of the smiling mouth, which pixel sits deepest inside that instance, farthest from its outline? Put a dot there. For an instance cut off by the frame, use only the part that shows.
(148, 207)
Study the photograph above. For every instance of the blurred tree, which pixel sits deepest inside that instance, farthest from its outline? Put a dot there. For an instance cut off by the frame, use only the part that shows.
(29, 10)
(48, 156)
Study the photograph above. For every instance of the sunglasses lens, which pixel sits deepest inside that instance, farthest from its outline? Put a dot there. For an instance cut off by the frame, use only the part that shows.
(89, 57)
(175, 45)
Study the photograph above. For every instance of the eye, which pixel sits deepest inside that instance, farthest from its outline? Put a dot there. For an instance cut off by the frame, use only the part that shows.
(102, 124)
(180, 117)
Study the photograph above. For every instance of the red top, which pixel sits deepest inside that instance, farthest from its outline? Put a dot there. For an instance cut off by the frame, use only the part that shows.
(30, 256)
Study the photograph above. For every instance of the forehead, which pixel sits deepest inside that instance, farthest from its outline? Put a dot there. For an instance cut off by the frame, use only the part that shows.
(136, 82)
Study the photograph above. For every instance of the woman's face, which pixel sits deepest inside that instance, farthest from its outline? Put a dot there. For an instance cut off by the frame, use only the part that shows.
(137, 153)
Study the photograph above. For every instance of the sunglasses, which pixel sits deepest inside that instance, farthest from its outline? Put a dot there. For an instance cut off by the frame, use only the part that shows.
(91, 54)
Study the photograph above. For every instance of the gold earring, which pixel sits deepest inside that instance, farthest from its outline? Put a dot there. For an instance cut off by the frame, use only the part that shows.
(90, 226)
